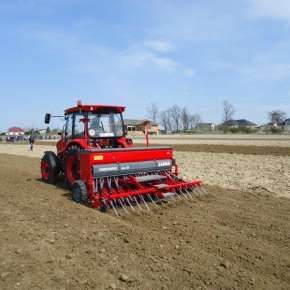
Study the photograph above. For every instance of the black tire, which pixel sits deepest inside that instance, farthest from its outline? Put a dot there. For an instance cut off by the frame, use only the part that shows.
(79, 192)
(50, 167)
(103, 206)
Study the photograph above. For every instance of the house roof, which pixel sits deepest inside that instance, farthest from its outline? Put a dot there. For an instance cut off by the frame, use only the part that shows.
(136, 122)
(240, 122)
(15, 130)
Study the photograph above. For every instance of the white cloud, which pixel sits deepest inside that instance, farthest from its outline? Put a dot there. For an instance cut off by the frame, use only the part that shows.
(87, 57)
(271, 8)
(165, 62)
(142, 58)
(154, 54)
(159, 45)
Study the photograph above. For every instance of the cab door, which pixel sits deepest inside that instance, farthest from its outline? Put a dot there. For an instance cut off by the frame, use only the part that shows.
(66, 134)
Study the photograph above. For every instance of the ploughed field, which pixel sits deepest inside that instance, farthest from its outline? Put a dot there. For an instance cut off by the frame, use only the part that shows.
(229, 168)
(220, 139)
(236, 237)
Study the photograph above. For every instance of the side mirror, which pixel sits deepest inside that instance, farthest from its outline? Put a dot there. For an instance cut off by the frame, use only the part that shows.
(47, 118)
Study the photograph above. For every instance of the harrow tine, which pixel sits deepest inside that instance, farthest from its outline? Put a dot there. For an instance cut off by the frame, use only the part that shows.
(135, 199)
(113, 207)
(116, 182)
(178, 196)
(102, 181)
(194, 191)
(109, 182)
(183, 193)
(132, 200)
(152, 200)
(128, 201)
(159, 200)
(141, 196)
(173, 198)
(122, 205)
(188, 194)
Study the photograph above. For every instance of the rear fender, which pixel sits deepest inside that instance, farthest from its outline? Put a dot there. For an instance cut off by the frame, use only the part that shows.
(81, 143)
(63, 148)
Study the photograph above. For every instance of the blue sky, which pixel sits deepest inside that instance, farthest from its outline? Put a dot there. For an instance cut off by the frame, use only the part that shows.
(130, 52)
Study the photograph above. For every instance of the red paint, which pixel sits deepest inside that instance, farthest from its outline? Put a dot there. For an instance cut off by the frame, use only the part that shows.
(44, 170)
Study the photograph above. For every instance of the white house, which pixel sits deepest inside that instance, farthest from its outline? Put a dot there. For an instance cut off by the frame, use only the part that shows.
(15, 133)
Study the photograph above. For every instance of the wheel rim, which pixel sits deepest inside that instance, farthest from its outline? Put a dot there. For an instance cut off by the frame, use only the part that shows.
(45, 170)
(72, 169)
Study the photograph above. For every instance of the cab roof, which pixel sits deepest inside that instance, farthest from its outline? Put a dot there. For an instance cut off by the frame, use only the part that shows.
(105, 109)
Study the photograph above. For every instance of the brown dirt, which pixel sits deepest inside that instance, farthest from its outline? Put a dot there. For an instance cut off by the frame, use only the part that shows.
(226, 240)
(245, 172)
(219, 139)
(234, 149)
(238, 171)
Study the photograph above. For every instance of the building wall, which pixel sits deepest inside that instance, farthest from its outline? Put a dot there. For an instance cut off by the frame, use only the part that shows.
(154, 129)
(140, 129)
(15, 133)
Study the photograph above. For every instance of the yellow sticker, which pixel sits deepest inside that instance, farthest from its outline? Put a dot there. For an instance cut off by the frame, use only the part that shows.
(98, 157)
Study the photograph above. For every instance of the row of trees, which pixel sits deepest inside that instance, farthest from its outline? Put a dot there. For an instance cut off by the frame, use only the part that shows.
(178, 118)
(277, 117)
(175, 118)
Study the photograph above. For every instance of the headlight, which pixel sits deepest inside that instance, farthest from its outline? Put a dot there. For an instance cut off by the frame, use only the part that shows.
(92, 132)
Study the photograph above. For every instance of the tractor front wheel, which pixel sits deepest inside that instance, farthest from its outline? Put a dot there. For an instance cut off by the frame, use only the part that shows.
(50, 167)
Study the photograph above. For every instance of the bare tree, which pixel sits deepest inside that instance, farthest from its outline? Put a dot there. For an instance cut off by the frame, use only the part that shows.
(277, 116)
(153, 111)
(195, 120)
(185, 118)
(175, 114)
(165, 120)
(169, 121)
(228, 111)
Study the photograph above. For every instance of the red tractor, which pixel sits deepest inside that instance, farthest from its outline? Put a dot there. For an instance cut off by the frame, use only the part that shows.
(104, 170)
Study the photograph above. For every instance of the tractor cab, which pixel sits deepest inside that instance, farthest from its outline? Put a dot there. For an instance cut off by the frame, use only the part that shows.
(93, 126)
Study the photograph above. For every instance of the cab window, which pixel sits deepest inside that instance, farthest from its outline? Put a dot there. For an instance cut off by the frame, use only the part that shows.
(69, 126)
(78, 126)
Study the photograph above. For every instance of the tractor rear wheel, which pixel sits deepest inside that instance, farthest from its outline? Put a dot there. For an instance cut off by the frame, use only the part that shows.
(50, 167)
(79, 192)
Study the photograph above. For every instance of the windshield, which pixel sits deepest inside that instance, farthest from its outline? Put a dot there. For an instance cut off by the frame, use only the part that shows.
(105, 125)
